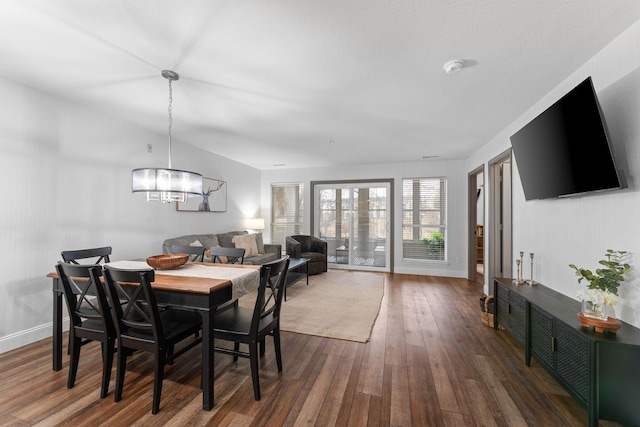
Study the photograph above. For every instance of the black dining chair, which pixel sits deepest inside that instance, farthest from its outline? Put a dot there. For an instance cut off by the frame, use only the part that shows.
(90, 317)
(196, 253)
(100, 255)
(233, 255)
(141, 326)
(88, 256)
(251, 326)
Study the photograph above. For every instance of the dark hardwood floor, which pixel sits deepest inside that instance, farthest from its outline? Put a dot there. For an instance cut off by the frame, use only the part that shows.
(430, 362)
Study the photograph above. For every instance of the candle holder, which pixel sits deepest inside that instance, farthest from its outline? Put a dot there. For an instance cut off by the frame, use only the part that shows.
(517, 279)
(520, 266)
(532, 282)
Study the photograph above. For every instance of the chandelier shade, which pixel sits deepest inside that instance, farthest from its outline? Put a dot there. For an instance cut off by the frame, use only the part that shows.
(166, 185)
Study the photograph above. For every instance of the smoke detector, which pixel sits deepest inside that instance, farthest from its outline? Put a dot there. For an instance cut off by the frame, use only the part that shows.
(453, 66)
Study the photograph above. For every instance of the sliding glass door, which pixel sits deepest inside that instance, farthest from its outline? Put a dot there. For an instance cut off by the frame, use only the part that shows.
(353, 218)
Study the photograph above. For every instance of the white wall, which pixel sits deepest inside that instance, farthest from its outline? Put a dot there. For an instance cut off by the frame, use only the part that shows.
(66, 174)
(457, 205)
(579, 230)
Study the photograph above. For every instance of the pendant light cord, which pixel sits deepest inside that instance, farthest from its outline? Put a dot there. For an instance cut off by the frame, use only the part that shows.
(170, 119)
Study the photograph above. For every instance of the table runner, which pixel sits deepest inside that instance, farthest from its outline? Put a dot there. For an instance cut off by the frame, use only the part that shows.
(244, 280)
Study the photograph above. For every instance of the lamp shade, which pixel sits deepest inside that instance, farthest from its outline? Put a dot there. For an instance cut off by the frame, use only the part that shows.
(166, 185)
(255, 223)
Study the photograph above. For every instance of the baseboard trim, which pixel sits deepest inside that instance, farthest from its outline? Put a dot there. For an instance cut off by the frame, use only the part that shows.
(430, 271)
(28, 336)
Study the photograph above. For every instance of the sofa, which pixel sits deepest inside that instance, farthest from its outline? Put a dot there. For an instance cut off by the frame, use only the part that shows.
(264, 252)
(301, 246)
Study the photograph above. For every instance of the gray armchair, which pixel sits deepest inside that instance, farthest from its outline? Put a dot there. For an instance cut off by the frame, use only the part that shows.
(300, 246)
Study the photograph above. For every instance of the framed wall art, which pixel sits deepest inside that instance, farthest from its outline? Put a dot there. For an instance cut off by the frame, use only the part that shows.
(213, 198)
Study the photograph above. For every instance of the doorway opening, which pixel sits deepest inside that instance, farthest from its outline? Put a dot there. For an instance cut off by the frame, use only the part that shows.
(476, 228)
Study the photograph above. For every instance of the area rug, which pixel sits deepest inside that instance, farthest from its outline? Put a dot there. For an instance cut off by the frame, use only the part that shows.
(336, 304)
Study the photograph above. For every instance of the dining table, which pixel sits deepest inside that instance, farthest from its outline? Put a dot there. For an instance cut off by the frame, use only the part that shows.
(201, 287)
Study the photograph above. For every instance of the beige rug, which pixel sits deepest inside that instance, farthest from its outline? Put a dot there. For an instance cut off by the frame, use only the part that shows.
(337, 304)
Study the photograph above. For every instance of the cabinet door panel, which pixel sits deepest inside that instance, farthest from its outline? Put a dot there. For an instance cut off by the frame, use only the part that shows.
(572, 363)
(518, 316)
(542, 336)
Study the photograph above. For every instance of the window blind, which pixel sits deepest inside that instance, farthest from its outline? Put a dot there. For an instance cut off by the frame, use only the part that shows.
(287, 210)
(424, 218)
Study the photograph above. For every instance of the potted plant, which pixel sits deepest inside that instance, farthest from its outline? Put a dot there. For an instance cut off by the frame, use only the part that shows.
(602, 290)
(434, 243)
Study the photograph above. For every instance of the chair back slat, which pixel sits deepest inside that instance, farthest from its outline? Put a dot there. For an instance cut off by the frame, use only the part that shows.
(196, 253)
(85, 294)
(233, 255)
(273, 277)
(101, 255)
(138, 309)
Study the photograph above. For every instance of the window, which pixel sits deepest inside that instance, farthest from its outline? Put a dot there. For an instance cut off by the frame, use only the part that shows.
(424, 218)
(286, 212)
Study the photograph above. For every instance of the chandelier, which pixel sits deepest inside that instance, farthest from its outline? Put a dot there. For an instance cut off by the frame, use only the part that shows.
(166, 185)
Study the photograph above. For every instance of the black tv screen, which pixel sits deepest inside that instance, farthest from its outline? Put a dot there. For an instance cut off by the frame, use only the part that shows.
(565, 150)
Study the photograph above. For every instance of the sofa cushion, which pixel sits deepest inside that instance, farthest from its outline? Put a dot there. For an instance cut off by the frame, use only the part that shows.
(246, 242)
(313, 256)
(208, 240)
(261, 258)
(260, 243)
(225, 239)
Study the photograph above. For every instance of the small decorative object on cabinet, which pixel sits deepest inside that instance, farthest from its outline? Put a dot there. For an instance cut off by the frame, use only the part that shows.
(594, 307)
(520, 265)
(532, 282)
(610, 325)
(602, 290)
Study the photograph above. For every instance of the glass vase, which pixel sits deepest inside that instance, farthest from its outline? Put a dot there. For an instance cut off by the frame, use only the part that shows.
(595, 311)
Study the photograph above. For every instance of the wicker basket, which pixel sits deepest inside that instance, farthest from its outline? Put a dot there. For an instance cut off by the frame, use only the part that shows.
(167, 261)
(487, 316)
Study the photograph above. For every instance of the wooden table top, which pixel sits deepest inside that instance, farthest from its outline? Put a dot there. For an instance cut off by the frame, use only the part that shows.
(197, 285)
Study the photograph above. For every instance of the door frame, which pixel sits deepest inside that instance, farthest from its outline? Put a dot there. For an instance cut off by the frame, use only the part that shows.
(472, 253)
(498, 259)
(390, 213)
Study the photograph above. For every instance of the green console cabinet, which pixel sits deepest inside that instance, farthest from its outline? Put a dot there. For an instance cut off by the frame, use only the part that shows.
(600, 370)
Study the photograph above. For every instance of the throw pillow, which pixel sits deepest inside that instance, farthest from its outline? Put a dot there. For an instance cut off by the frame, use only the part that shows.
(195, 243)
(246, 242)
(260, 243)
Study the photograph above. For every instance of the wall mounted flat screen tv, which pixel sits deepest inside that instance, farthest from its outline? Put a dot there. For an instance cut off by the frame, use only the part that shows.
(565, 150)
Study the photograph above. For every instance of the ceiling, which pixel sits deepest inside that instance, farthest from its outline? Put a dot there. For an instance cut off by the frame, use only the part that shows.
(309, 83)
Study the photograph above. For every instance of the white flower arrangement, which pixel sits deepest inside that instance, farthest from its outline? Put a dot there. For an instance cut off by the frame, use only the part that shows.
(597, 297)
